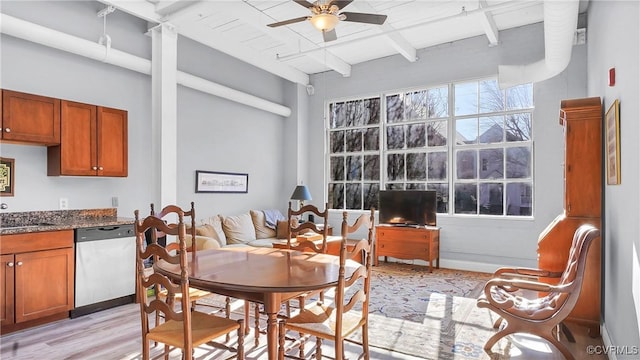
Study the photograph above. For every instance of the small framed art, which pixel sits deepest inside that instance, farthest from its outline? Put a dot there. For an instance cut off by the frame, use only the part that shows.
(221, 182)
(612, 125)
(7, 171)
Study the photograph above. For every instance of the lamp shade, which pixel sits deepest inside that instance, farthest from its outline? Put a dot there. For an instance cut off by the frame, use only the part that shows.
(324, 22)
(301, 193)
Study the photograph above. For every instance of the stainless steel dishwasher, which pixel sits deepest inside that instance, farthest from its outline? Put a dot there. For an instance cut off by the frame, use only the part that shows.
(105, 268)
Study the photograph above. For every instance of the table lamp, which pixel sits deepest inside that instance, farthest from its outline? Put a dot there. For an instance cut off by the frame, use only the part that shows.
(301, 193)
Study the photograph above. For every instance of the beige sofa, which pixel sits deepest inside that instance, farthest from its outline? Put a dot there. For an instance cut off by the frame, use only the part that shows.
(247, 229)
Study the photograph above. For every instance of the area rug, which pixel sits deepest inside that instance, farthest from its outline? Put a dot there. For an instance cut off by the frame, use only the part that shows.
(427, 315)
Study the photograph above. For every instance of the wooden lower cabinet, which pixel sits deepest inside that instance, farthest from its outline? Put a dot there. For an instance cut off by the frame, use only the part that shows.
(408, 243)
(36, 273)
(37, 278)
(6, 286)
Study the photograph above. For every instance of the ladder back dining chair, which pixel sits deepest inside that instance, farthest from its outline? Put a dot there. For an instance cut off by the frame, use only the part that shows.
(336, 322)
(183, 327)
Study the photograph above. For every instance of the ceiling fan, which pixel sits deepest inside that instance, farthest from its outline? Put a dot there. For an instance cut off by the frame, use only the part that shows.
(326, 16)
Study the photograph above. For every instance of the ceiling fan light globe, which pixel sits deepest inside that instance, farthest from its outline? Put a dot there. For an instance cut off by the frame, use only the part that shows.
(324, 22)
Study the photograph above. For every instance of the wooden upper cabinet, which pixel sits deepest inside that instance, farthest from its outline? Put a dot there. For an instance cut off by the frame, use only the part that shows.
(28, 118)
(76, 154)
(582, 122)
(112, 142)
(82, 139)
(93, 142)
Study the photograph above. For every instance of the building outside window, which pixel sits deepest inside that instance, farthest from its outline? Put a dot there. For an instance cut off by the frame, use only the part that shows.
(470, 142)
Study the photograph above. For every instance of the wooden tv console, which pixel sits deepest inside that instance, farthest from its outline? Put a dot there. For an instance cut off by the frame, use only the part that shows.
(406, 242)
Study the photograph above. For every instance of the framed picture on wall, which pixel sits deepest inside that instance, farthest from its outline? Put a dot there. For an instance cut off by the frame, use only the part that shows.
(7, 170)
(612, 124)
(221, 182)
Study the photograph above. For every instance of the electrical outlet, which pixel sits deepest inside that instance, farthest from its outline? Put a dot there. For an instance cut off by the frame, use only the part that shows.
(114, 201)
(64, 203)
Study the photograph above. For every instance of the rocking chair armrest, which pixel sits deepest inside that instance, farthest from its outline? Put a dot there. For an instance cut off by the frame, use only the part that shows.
(511, 285)
(517, 284)
(528, 272)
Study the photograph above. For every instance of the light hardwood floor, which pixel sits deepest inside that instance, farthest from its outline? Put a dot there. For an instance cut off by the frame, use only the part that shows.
(114, 334)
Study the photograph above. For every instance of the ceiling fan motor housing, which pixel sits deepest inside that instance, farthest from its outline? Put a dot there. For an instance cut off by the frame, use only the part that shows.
(325, 16)
(325, 9)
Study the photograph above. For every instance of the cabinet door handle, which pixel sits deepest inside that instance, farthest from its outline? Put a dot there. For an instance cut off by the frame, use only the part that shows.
(94, 168)
(101, 168)
(19, 263)
(10, 264)
(7, 130)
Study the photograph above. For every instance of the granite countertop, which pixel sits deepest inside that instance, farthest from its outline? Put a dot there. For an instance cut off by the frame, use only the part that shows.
(37, 221)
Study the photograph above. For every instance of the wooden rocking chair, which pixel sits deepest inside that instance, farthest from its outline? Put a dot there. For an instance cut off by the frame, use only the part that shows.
(541, 315)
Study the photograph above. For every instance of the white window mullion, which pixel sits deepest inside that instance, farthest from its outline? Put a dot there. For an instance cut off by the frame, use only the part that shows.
(383, 142)
(451, 147)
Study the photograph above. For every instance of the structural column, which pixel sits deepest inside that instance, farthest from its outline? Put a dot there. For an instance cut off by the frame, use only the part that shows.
(164, 114)
(296, 151)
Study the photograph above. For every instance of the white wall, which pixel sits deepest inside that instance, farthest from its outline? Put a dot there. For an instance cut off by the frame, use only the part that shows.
(37, 69)
(213, 134)
(219, 135)
(470, 242)
(614, 42)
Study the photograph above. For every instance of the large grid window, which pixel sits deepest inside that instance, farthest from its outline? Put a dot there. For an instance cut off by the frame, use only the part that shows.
(416, 152)
(354, 154)
(471, 142)
(493, 149)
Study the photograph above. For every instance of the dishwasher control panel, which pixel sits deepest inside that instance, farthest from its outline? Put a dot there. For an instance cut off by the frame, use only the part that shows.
(103, 232)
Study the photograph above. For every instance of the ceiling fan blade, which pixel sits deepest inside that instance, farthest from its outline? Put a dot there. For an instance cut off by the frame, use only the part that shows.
(287, 22)
(329, 35)
(304, 3)
(365, 18)
(341, 4)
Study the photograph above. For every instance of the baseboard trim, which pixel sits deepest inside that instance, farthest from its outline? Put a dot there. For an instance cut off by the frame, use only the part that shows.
(453, 264)
(469, 265)
(606, 341)
(103, 305)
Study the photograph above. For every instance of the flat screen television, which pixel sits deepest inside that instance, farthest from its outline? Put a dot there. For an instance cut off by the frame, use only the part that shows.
(407, 207)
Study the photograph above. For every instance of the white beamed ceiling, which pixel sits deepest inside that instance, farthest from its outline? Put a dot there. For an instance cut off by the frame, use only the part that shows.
(239, 28)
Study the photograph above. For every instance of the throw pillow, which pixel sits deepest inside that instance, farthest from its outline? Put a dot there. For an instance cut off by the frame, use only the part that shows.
(281, 228)
(216, 223)
(206, 230)
(239, 229)
(262, 231)
(203, 243)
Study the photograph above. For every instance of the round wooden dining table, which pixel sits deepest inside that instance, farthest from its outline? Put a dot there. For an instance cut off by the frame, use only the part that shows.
(264, 275)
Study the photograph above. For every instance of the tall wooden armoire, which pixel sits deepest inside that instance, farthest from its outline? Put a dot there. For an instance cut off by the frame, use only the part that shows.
(581, 120)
